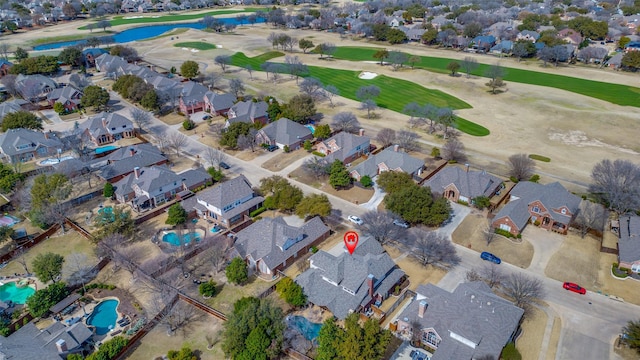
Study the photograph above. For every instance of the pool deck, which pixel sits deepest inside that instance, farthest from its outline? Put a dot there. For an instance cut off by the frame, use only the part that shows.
(314, 314)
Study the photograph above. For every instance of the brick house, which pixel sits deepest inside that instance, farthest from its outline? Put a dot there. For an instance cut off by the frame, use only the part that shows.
(105, 128)
(344, 146)
(457, 184)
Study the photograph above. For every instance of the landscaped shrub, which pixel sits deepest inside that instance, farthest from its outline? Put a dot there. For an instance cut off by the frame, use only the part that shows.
(366, 181)
(317, 153)
(618, 272)
(510, 352)
(536, 223)
(462, 202)
(481, 202)
(435, 152)
(208, 289)
(539, 158)
(109, 349)
(257, 211)
(286, 148)
(503, 233)
(534, 178)
(513, 179)
(189, 124)
(314, 249)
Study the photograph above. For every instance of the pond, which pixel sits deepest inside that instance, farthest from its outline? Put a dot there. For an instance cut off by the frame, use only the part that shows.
(139, 33)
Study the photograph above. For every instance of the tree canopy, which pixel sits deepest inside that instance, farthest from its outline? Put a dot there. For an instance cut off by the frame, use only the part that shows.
(339, 175)
(40, 302)
(177, 215)
(43, 64)
(291, 292)
(94, 96)
(314, 205)
(189, 69)
(352, 342)
(47, 266)
(237, 271)
(280, 193)
(21, 119)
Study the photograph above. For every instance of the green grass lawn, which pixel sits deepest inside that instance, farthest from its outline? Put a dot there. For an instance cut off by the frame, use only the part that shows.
(394, 93)
(120, 20)
(613, 93)
(195, 45)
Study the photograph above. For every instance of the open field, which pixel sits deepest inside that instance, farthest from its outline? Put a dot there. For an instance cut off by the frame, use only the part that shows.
(614, 93)
(199, 45)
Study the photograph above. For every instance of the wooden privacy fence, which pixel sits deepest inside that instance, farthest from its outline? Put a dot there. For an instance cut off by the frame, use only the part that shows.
(30, 243)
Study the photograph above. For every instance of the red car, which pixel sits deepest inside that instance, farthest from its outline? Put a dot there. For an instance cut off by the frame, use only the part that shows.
(574, 287)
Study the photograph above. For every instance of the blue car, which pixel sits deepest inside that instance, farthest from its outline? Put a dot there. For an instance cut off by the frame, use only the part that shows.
(490, 257)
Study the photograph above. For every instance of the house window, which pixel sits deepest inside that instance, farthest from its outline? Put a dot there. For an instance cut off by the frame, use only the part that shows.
(536, 209)
(563, 211)
(431, 338)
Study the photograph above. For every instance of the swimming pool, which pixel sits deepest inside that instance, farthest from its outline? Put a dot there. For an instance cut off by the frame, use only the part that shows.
(307, 328)
(311, 128)
(107, 214)
(18, 295)
(104, 149)
(104, 316)
(8, 220)
(173, 239)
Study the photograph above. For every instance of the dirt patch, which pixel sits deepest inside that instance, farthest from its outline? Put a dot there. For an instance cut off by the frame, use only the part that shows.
(470, 233)
(530, 342)
(418, 273)
(303, 176)
(555, 338)
(354, 194)
(172, 119)
(626, 353)
(628, 289)
(283, 159)
(574, 261)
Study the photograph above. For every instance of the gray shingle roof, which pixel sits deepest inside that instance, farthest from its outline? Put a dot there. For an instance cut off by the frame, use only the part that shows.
(274, 241)
(122, 161)
(393, 160)
(247, 111)
(220, 101)
(470, 184)
(629, 241)
(471, 311)
(192, 177)
(350, 272)
(150, 180)
(107, 123)
(346, 143)
(11, 140)
(31, 343)
(228, 192)
(286, 132)
(193, 91)
(9, 107)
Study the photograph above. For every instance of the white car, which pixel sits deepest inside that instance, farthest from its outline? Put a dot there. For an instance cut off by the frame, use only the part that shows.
(401, 223)
(354, 219)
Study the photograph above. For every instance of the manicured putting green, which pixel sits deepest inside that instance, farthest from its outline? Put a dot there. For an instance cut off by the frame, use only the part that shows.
(198, 45)
(394, 93)
(613, 93)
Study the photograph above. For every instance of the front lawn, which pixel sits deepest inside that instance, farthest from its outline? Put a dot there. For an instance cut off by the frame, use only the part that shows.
(613, 93)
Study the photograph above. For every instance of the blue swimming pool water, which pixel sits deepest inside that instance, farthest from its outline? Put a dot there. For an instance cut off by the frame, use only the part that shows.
(18, 295)
(215, 229)
(104, 149)
(173, 239)
(311, 128)
(104, 316)
(139, 33)
(307, 328)
(107, 214)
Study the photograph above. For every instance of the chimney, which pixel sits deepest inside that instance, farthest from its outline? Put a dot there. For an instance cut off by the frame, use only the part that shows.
(467, 166)
(396, 147)
(132, 151)
(61, 345)
(422, 307)
(361, 132)
(136, 171)
(370, 283)
(46, 135)
(104, 122)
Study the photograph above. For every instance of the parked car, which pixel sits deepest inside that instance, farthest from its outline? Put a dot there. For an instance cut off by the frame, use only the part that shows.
(401, 223)
(206, 117)
(490, 257)
(224, 165)
(574, 287)
(354, 219)
(272, 148)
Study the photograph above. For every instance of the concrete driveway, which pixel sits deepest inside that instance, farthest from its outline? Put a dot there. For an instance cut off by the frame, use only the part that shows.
(459, 212)
(545, 244)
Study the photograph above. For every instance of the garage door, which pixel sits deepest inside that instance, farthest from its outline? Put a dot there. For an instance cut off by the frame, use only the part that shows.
(505, 227)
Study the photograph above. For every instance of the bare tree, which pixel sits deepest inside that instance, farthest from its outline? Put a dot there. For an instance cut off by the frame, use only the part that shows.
(468, 65)
(521, 166)
(345, 121)
(386, 136)
(214, 157)
(317, 166)
(397, 59)
(369, 105)
(249, 69)
(591, 216)
(416, 114)
(523, 289)
(492, 275)
(453, 150)
(330, 92)
(9, 82)
(80, 82)
(489, 233)
(472, 275)
(22, 259)
(4, 51)
(237, 87)
(216, 254)
(223, 61)
(177, 141)
(494, 72)
(312, 87)
(431, 248)
(446, 119)
(408, 140)
(248, 141)
(128, 258)
(617, 184)
(78, 270)
(140, 117)
(380, 226)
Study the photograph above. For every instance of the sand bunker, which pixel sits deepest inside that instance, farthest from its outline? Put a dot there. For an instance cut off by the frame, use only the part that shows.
(366, 75)
(580, 139)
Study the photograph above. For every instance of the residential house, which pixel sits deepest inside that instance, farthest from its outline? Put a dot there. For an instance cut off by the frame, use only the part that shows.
(469, 323)
(89, 56)
(34, 87)
(483, 43)
(395, 21)
(68, 96)
(249, 112)
(192, 97)
(503, 47)
(528, 35)
(615, 61)
(195, 179)
(5, 66)
(413, 33)
(457, 184)
(105, 128)
(227, 203)
(56, 341)
(389, 159)
(350, 283)
(148, 187)
(123, 161)
(271, 245)
(632, 46)
(218, 104)
(344, 146)
(439, 21)
(571, 36)
(110, 65)
(550, 206)
(20, 145)
(284, 132)
(629, 242)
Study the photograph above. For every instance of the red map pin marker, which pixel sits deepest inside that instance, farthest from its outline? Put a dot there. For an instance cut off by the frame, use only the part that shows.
(351, 241)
